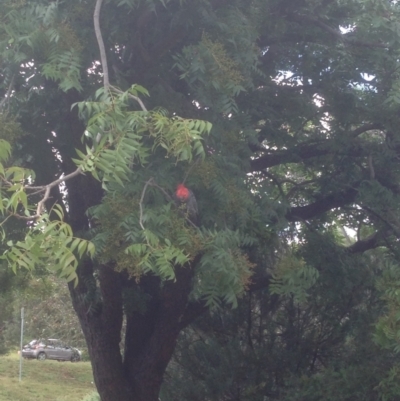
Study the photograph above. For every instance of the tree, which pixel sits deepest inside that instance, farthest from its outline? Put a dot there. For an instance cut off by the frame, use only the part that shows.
(48, 313)
(313, 343)
(302, 100)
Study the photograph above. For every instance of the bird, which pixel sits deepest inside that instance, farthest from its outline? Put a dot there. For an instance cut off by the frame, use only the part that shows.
(186, 203)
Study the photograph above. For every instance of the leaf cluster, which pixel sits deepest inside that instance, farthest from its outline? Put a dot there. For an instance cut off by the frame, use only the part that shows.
(121, 138)
(50, 243)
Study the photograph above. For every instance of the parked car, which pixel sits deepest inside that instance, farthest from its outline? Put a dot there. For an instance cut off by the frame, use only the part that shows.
(50, 349)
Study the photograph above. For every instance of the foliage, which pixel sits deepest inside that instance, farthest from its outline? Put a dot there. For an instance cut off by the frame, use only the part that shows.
(281, 117)
(292, 276)
(224, 271)
(49, 243)
(289, 348)
(387, 334)
(47, 314)
(131, 136)
(111, 158)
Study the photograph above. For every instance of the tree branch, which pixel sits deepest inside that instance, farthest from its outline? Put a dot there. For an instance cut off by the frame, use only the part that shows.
(294, 155)
(141, 202)
(99, 37)
(371, 242)
(56, 182)
(364, 128)
(307, 151)
(119, 91)
(332, 201)
(46, 189)
(336, 32)
(103, 55)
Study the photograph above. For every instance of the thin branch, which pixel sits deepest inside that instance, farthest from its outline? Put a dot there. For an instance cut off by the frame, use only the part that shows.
(167, 195)
(56, 182)
(39, 208)
(141, 202)
(46, 189)
(336, 32)
(275, 181)
(143, 107)
(5, 220)
(38, 191)
(103, 55)
(9, 183)
(99, 37)
(40, 205)
(189, 171)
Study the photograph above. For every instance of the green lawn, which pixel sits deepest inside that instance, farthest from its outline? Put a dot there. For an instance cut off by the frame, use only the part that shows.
(44, 380)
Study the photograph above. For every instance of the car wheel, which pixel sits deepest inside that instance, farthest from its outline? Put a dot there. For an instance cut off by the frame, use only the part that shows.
(75, 358)
(41, 356)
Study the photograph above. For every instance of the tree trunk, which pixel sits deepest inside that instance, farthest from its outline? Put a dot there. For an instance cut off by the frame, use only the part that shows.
(101, 324)
(150, 335)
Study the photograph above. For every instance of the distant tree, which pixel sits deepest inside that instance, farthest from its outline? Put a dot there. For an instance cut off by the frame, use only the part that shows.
(309, 344)
(281, 117)
(48, 313)
(11, 289)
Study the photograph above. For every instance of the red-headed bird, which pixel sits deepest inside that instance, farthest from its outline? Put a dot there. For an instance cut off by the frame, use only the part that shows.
(186, 202)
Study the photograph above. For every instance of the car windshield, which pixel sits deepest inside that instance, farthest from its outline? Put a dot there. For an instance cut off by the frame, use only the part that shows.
(35, 343)
(51, 342)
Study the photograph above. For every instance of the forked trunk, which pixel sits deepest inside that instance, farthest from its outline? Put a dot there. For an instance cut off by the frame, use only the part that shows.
(151, 333)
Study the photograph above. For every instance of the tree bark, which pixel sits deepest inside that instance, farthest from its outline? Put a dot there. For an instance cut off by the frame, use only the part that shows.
(101, 322)
(149, 345)
(151, 335)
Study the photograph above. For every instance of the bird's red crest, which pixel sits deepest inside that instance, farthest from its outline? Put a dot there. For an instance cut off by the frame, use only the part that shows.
(182, 192)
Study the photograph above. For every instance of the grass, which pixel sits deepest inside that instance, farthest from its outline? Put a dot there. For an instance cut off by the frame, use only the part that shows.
(44, 380)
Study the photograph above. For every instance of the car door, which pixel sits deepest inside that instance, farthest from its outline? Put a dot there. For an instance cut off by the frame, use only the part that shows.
(63, 352)
(50, 349)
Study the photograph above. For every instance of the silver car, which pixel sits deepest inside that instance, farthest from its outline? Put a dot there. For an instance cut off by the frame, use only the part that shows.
(50, 349)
